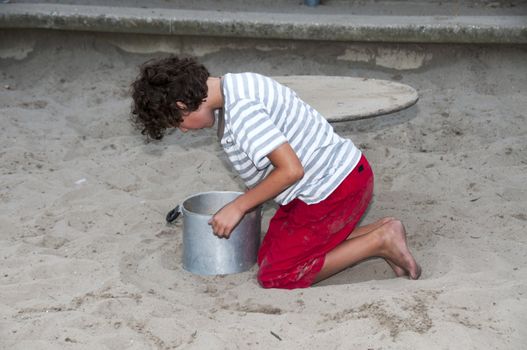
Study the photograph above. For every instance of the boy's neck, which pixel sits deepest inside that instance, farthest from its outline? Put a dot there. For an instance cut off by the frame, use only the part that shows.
(214, 94)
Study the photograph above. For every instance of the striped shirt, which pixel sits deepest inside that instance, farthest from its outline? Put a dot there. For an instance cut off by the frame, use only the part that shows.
(260, 115)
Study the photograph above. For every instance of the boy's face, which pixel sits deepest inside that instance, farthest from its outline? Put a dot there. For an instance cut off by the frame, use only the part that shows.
(201, 118)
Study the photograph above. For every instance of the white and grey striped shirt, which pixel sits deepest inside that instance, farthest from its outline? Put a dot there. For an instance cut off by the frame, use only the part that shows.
(260, 115)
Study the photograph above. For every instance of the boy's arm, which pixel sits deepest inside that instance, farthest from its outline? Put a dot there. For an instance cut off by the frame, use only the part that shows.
(287, 170)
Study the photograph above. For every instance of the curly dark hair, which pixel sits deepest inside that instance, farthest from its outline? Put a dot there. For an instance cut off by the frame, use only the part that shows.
(160, 84)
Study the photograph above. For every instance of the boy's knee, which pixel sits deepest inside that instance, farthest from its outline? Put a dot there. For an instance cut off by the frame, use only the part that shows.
(263, 277)
(263, 284)
(269, 277)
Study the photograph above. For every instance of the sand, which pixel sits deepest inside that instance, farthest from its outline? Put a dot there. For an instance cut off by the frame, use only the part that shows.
(87, 261)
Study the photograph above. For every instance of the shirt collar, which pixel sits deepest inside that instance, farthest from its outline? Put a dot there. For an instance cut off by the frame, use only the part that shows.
(220, 116)
(221, 113)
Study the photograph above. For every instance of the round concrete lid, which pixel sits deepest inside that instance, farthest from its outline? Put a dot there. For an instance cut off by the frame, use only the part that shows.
(347, 98)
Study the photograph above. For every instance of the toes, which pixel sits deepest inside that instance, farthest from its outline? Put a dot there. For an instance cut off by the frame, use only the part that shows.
(417, 273)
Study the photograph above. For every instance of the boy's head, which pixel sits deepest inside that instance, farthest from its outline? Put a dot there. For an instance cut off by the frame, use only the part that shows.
(161, 86)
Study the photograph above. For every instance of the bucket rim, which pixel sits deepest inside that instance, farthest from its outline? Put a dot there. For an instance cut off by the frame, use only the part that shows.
(188, 212)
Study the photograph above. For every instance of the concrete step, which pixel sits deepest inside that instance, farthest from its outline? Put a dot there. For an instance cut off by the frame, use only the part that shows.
(494, 29)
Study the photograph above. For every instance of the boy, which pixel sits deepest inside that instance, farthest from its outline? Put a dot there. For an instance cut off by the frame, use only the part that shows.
(286, 151)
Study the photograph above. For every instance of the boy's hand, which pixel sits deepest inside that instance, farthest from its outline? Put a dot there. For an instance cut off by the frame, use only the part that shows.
(226, 219)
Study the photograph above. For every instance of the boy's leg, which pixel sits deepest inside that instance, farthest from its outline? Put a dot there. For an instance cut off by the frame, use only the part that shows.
(387, 241)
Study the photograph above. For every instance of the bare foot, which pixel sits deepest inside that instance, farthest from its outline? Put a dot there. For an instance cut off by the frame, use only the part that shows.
(399, 272)
(360, 231)
(396, 252)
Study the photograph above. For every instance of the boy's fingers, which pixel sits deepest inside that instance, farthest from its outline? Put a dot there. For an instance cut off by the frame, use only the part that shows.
(218, 230)
(222, 232)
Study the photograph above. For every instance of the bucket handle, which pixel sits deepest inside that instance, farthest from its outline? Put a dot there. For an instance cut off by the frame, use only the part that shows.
(176, 212)
(173, 214)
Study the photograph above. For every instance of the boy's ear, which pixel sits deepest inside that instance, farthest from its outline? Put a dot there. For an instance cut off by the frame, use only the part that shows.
(181, 105)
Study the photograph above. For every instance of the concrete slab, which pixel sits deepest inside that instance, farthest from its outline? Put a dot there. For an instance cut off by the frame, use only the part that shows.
(346, 98)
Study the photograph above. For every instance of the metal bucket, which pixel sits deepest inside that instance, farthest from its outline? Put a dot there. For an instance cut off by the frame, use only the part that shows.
(206, 254)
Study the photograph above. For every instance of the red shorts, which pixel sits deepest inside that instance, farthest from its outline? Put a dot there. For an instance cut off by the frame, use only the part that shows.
(300, 235)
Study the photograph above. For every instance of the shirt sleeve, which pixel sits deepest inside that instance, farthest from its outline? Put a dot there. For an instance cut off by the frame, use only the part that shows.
(254, 131)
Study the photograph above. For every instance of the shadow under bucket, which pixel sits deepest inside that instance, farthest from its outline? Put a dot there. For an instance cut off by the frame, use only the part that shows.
(206, 254)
